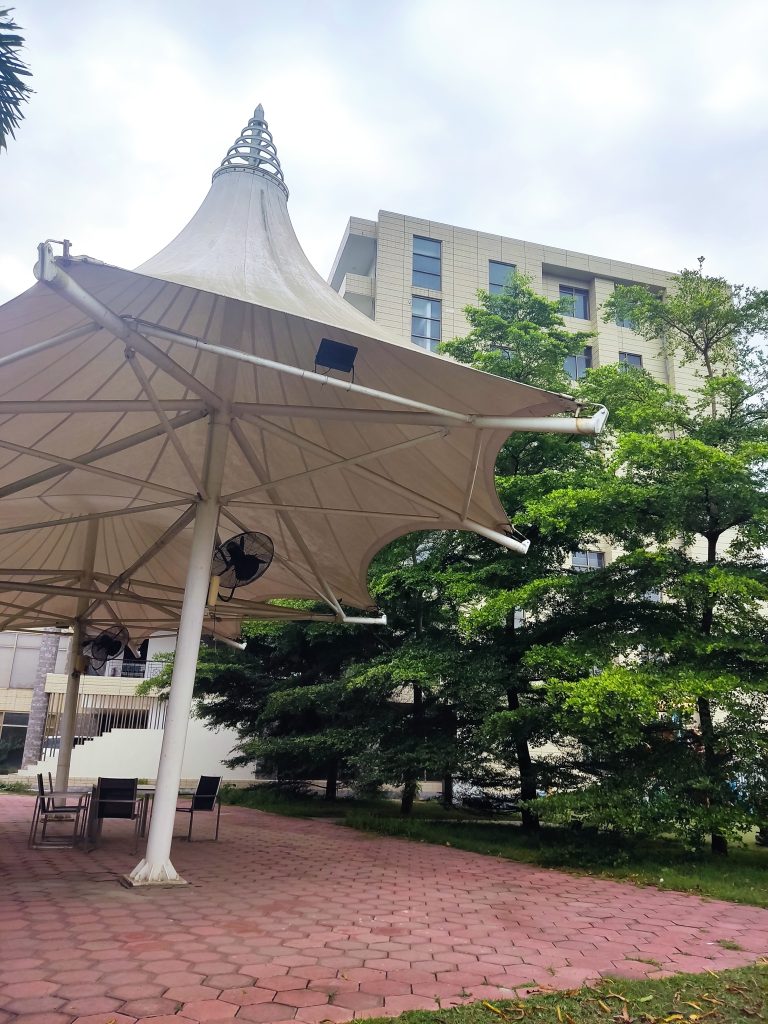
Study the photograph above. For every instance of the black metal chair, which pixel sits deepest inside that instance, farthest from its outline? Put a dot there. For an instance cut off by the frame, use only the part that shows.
(116, 798)
(206, 798)
(63, 809)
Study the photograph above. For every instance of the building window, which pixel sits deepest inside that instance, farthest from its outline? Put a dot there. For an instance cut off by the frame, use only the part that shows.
(585, 561)
(425, 322)
(625, 321)
(574, 301)
(577, 366)
(498, 275)
(426, 263)
(13, 732)
(630, 359)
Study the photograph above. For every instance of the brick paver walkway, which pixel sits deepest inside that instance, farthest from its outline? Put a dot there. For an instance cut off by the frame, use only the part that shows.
(288, 920)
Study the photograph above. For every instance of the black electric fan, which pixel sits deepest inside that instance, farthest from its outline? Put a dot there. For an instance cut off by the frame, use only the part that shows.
(241, 560)
(107, 645)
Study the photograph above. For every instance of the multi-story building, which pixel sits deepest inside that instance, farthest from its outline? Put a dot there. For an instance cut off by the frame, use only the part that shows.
(416, 276)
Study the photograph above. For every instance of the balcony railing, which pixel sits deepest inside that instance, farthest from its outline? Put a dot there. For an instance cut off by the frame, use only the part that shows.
(133, 669)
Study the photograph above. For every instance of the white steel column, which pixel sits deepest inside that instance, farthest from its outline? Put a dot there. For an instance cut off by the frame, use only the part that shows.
(74, 662)
(156, 867)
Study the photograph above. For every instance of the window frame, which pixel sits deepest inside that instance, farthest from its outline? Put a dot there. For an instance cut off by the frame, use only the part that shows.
(581, 363)
(435, 278)
(493, 287)
(575, 290)
(598, 556)
(426, 341)
(626, 359)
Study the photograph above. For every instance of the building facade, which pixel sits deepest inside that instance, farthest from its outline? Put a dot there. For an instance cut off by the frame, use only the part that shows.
(416, 276)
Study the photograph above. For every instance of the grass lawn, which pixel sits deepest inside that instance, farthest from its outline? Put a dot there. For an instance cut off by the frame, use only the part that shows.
(725, 998)
(742, 877)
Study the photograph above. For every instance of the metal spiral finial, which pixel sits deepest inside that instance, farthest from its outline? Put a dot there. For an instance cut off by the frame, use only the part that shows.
(254, 151)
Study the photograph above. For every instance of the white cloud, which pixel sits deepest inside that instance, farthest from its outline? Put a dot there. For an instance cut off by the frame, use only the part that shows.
(634, 131)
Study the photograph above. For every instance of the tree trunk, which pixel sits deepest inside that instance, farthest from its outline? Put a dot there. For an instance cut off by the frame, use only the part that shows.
(447, 791)
(527, 771)
(411, 783)
(332, 780)
(410, 789)
(719, 844)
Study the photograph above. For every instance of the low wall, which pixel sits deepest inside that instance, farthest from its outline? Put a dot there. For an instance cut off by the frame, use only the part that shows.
(135, 753)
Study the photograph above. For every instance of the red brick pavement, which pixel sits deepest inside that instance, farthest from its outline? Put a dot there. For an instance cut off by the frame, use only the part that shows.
(289, 920)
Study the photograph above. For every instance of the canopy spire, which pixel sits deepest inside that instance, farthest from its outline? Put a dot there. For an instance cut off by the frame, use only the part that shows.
(254, 151)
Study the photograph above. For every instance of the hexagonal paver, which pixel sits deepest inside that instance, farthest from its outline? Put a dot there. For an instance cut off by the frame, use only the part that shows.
(151, 1007)
(261, 1013)
(247, 996)
(209, 1009)
(271, 931)
(87, 1006)
(101, 1018)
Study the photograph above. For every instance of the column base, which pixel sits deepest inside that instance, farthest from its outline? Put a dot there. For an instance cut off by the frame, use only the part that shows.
(146, 874)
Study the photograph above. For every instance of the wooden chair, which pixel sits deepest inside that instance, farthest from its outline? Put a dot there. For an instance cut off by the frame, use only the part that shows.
(64, 809)
(206, 798)
(116, 798)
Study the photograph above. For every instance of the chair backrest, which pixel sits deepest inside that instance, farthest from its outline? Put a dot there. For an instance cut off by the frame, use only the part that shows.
(116, 798)
(206, 792)
(50, 782)
(40, 785)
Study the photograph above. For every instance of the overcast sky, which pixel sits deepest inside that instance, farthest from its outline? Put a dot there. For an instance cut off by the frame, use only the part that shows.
(634, 129)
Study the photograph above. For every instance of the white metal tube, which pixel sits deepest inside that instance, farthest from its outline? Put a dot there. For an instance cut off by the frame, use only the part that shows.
(519, 547)
(156, 866)
(577, 425)
(512, 424)
(177, 338)
(49, 271)
(361, 620)
(102, 453)
(86, 517)
(100, 405)
(42, 346)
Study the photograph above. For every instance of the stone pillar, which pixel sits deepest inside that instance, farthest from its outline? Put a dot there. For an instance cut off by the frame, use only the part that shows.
(46, 662)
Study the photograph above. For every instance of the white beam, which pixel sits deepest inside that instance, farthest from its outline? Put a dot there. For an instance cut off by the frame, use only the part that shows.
(131, 441)
(88, 516)
(71, 464)
(285, 517)
(99, 406)
(156, 866)
(448, 416)
(352, 460)
(49, 271)
(10, 586)
(165, 538)
(146, 385)
(361, 513)
(43, 346)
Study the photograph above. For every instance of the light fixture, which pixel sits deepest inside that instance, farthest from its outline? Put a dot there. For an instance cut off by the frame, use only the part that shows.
(335, 355)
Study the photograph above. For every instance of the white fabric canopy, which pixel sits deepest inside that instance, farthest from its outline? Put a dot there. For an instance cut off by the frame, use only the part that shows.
(146, 416)
(329, 491)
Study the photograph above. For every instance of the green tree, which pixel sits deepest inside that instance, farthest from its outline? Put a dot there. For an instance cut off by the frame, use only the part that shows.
(686, 501)
(14, 91)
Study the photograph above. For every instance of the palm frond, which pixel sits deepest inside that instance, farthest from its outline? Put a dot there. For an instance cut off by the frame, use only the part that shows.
(13, 89)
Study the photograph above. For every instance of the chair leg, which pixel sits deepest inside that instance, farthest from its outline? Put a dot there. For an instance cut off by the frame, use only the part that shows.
(218, 818)
(189, 831)
(35, 819)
